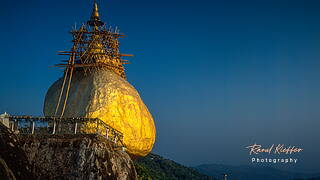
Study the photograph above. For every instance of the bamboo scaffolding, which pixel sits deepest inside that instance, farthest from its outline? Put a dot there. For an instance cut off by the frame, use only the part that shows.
(95, 47)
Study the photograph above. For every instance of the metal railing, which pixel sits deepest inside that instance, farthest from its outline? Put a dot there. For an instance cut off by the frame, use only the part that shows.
(54, 125)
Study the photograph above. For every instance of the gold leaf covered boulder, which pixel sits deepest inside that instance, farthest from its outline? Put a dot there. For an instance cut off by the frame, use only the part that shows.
(105, 95)
(94, 85)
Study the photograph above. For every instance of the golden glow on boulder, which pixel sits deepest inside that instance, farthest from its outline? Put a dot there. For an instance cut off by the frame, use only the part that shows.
(107, 96)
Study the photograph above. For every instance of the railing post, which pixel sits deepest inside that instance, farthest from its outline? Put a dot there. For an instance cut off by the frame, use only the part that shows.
(75, 128)
(16, 125)
(32, 132)
(54, 127)
(107, 133)
(12, 127)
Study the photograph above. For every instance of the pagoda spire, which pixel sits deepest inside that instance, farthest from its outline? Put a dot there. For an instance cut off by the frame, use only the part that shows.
(95, 47)
(95, 18)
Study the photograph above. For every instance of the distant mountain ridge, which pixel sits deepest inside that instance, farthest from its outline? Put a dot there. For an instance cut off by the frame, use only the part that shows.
(155, 167)
(253, 173)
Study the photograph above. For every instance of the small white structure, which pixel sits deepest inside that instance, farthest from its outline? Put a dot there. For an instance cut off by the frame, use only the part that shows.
(4, 119)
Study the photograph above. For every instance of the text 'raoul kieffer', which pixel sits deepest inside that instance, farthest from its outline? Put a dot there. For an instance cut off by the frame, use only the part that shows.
(279, 149)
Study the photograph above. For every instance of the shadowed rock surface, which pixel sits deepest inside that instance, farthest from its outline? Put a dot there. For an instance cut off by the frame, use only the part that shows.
(13, 161)
(76, 157)
(62, 157)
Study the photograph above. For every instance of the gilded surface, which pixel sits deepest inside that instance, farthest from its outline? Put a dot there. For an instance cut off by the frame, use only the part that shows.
(107, 96)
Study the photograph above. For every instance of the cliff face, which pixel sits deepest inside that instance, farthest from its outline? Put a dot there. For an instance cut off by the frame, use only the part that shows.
(62, 157)
(13, 161)
(76, 157)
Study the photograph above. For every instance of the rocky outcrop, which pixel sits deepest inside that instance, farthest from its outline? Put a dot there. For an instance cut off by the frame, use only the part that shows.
(13, 161)
(62, 157)
(76, 157)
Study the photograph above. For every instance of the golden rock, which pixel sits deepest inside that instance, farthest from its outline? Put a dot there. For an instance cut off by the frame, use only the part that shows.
(107, 96)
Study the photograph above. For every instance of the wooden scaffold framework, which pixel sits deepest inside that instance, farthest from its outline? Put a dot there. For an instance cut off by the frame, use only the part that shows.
(95, 47)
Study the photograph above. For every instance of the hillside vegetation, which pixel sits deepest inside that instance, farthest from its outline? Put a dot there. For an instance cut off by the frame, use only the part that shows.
(156, 167)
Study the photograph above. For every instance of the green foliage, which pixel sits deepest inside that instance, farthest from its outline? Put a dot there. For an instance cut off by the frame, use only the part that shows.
(154, 167)
(143, 172)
